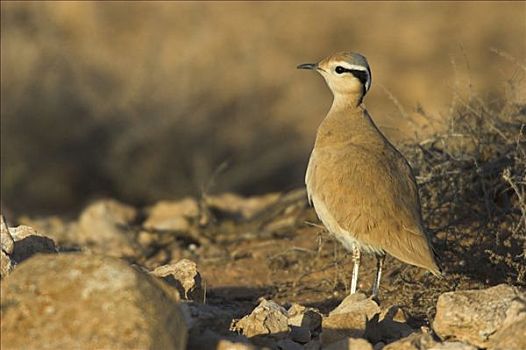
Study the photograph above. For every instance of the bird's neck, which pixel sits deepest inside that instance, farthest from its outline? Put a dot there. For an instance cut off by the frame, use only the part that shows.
(348, 123)
(343, 101)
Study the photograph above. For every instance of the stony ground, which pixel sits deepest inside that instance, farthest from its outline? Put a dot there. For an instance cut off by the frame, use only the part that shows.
(257, 271)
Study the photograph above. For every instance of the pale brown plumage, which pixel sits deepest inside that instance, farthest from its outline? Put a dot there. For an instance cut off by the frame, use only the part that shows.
(361, 186)
(368, 188)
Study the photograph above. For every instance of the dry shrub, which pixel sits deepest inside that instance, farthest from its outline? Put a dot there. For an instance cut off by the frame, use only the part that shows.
(472, 177)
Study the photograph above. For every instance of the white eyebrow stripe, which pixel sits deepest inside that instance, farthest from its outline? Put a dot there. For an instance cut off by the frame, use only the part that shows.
(351, 66)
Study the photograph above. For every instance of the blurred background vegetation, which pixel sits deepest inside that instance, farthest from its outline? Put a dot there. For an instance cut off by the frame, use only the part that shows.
(142, 101)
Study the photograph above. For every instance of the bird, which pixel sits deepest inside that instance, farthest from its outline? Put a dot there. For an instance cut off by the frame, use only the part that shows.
(362, 188)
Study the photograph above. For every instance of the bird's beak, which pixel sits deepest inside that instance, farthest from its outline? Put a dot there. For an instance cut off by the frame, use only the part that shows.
(311, 66)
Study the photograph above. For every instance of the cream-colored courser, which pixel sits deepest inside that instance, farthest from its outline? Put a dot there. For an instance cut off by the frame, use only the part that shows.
(361, 186)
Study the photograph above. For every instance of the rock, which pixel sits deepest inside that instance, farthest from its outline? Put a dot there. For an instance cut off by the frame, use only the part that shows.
(512, 337)
(473, 316)
(61, 232)
(104, 227)
(452, 346)
(6, 240)
(6, 264)
(350, 344)
(386, 330)
(225, 344)
(516, 312)
(394, 313)
(357, 301)
(268, 318)
(72, 301)
(238, 207)
(7, 244)
(314, 344)
(209, 339)
(348, 319)
(379, 346)
(172, 215)
(29, 242)
(307, 317)
(184, 276)
(287, 344)
(416, 341)
(300, 334)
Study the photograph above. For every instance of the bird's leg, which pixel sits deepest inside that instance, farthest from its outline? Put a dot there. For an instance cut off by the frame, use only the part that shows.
(379, 264)
(356, 267)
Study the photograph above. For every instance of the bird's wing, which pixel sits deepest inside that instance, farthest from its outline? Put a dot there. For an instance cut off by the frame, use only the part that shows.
(372, 194)
(308, 177)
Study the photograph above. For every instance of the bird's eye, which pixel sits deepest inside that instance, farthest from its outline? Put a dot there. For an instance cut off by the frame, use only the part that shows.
(340, 70)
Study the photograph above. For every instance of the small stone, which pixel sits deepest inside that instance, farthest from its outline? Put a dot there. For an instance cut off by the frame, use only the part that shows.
(300, 334)
(73, 301)
(172, 215)
(208, 339)
(386, 330)
(357, 302)
(62, 233)
(6, 239)
(287, 344)
(146, 239)
(6, 264)
(240, 207)
(225, 344)
(415, 341)
(314, 344)
(29, 242)
(301, 316)
(6, 261)
(348, 319)
(453, 346)
(268, 318)
(379, 346)
(184, 276)
(350, 344)
(104, 227)
(473, 316)
(394, 313)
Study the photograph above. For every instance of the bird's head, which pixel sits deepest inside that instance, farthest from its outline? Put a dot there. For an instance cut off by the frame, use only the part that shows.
(347, 74)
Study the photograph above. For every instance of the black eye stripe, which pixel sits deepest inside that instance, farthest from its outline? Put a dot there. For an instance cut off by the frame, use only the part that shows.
(361, 75)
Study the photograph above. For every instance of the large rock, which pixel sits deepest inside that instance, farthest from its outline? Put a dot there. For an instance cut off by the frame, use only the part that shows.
(104, 228)
(514, 324)
(512, 337)
(77, 301)
(474, 316)
(349, 319)
(184, 276)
